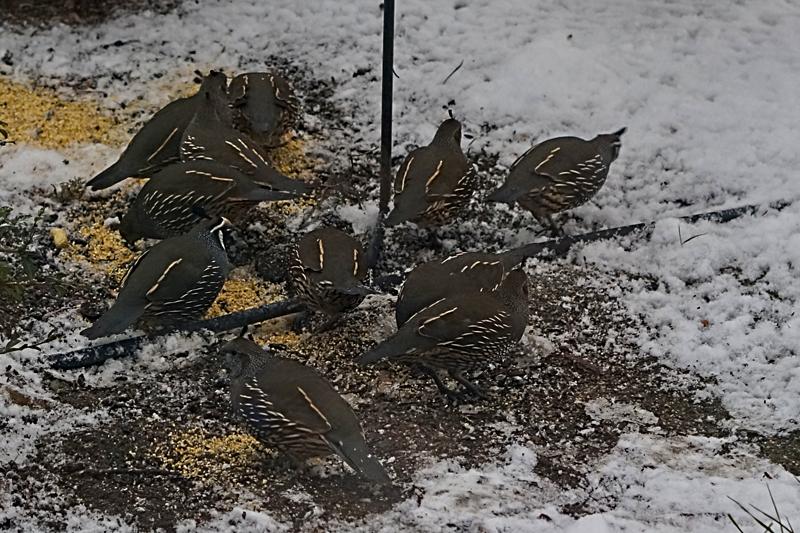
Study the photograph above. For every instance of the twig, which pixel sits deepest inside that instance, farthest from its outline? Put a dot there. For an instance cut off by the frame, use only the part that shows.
(583, 363)
(680, 237)
(99, 354)
(124, 471)
(559, 247)
(453, 72)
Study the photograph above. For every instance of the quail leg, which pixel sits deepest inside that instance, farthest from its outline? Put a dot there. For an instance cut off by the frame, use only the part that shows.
(450, 394)
(301, 321)
(433, 242)
(558, 232)
(288, 461)
(468, 385)
(328, 324)
(548, 221)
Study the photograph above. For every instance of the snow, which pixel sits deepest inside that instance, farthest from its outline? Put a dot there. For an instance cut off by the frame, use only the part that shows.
(701, 317)
(708, 93)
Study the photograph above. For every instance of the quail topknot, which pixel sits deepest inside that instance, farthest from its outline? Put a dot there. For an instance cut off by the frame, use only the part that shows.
(210, 136)
(174, 198)
(460, 331)
(157, 143)
(291, 407)
(559, 174)
(328, 270)
(264, 106)
(175, 281)
(435, 181)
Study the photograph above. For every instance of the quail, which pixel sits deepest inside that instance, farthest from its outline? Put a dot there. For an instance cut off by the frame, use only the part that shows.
(328, 270)
(167, 205)
(290, 406)
(264, 106)
(158, 142)
(463, 272)
(459, 332)
(559, 174)
(3, 133)
(434, 181)
(210, 136)
(175, 281)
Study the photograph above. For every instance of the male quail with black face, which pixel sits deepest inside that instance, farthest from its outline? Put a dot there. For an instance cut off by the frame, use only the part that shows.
(157, 144)
(264, 106)
(459, 332)
(328, 270)
(175, 281)
(291, 407)
(435, 181)
(210, 136)
(559, 174)
(463, 272)
(168, 203)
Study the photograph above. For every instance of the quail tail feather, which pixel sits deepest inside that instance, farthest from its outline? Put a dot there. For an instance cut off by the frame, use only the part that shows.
(277, 180)
(115, 320)
(365, 464)
(505, 195)
(110, 176)
(392, 347)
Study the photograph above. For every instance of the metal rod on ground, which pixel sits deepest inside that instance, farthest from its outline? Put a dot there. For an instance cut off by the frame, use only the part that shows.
(560, 247)
(97, 355)
(376, 242)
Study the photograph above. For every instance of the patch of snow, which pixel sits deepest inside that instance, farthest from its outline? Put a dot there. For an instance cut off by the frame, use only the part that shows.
(722, 305)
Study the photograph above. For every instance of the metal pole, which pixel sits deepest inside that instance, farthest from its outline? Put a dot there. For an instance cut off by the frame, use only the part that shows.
(386, 105)
(376, 242)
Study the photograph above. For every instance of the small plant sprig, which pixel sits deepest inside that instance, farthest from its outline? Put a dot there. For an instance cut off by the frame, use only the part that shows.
(20, 263)
(15, 343)
(776, 523)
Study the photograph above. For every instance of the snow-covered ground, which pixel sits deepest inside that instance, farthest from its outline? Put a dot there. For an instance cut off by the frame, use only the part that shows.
(708, 91)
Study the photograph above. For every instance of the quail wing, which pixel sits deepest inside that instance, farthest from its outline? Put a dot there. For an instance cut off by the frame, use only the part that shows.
(301, 394)
(559, 162)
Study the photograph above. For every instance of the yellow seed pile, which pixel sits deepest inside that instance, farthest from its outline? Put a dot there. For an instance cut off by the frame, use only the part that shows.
(291, 158)
(38, 115)
(104, 249)
(198, 455)
(286, 337)
(243, 290)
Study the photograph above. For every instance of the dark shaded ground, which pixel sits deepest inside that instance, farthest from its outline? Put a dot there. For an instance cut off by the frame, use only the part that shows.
(46, 13)
(119, 467)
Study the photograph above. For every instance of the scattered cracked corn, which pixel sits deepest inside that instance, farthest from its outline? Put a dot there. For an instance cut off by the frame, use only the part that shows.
(244, 290)
(196, 454)
(291, 158)
(287, 338)
(60, 237)
(40, 116)
(104, 248)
